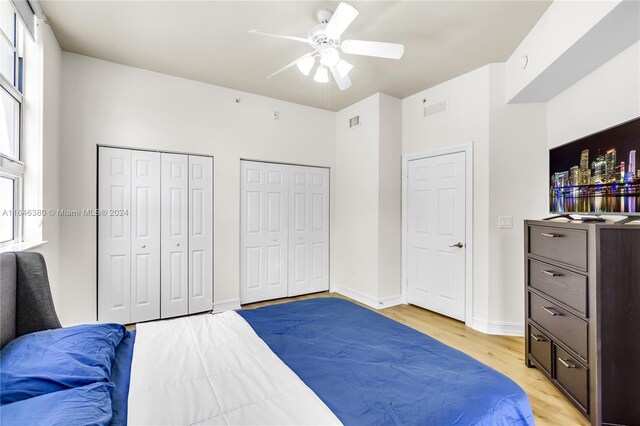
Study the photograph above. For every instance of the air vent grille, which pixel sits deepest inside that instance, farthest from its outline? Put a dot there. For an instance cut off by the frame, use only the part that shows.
(435, 108)
(354, 122)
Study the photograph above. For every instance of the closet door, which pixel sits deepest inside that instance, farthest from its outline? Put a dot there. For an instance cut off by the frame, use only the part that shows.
(114, 236)
(145, 235)
(308, 230)
(200, 234)
(264, 231)
(174, 297)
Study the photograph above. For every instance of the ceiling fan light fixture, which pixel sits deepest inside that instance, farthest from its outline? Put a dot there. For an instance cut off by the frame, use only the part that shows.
(322, 74)
(344, 68)
(305, 64)
(330, 57)
(326, 41)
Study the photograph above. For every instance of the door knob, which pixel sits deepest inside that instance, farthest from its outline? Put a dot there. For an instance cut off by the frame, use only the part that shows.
(177, 244)
(274, 239)
(459, 245)
(144, 246)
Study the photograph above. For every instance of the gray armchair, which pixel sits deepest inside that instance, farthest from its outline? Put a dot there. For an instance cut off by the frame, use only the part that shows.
(26, 304)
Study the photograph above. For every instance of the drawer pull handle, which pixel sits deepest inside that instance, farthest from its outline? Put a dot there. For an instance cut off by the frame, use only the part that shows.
(551, 312)
(566, 363)
(551, 273)
(538, 338)
(549, 235)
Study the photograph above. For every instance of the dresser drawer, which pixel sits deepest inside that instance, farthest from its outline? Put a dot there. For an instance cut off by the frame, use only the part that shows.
(565, 286)
(568, 246)
(572, 376)
(540, 348)
(563, 325)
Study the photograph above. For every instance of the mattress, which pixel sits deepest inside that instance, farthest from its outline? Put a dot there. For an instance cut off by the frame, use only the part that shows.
(362, 367)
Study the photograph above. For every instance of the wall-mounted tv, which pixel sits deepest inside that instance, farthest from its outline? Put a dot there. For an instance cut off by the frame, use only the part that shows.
(597, 174)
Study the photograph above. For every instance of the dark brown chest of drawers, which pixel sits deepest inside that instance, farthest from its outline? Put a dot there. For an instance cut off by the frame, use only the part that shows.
(582, 303)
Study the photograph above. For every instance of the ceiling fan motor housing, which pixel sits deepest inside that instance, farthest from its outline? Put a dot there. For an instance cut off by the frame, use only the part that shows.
(324, 15)
(318, 39)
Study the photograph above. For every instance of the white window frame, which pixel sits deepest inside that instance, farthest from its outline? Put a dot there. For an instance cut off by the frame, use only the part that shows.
(13, 167)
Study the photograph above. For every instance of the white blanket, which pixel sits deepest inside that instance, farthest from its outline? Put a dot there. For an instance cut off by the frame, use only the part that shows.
(214, 369)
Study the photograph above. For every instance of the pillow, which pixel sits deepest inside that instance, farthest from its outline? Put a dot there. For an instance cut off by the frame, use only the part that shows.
(53, 360)
(85, 405)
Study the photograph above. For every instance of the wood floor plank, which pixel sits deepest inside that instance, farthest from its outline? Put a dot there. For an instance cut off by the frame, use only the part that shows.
(503, 353)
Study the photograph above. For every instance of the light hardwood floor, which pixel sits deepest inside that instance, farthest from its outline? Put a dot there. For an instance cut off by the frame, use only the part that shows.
(505, 354)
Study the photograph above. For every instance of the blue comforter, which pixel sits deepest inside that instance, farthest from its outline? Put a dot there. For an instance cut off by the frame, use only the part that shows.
(371, 370)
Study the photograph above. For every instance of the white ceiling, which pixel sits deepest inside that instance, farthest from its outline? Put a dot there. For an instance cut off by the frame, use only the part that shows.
(209, 41)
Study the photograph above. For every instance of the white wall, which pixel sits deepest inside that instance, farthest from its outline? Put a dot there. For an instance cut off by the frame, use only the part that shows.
(106, 103)
(390, 200)
(518, 188)
(354, 245)
(608, 96)
(41, 146)
(466, 120)
(367, 245)
(52, 192)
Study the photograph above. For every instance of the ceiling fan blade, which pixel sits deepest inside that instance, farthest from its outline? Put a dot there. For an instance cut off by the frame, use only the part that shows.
(286, 37)
(341, 19)
(343, 82)
(286, 67)
(373, 48)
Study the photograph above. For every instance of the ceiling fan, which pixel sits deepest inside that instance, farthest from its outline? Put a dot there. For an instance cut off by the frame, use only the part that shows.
(325, 41)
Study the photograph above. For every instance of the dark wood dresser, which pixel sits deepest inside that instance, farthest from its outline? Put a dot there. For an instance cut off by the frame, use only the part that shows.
(582, 312)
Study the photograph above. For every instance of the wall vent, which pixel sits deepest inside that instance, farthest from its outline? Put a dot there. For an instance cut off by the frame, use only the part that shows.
(354, 122)
(435, 108)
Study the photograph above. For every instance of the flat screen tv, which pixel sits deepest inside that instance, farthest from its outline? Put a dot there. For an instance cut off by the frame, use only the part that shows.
(597, 174)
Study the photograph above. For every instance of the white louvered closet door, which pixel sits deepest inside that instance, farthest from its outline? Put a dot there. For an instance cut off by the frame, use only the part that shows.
(114, 235)
(308, 230)
(200, 234)
(174, 273)
(264, 231)
(145, 236)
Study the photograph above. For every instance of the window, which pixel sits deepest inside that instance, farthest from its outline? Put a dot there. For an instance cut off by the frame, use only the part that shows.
(11, 168)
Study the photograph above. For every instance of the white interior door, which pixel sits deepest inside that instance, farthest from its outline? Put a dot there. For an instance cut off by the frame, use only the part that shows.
(436, 246)
(264, 231)
(114, 236)
(308, 230)
(145, 235)
(174, 297)
(200, 234)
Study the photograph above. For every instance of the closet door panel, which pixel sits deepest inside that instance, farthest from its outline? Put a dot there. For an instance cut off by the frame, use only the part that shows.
(319, 229)
(145, 236)
(264, 231)
(252, 233)
(309, 230)
(200, 234)
(276, 227)
(114, 236)
(174, 273)
(299, 227)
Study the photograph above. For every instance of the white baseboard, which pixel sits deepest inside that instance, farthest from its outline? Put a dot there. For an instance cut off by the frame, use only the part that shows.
(387, 302)
(365, 299)
(226, 305)
(500, 328)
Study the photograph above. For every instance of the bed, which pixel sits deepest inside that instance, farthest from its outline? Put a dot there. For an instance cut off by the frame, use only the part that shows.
(318, 361)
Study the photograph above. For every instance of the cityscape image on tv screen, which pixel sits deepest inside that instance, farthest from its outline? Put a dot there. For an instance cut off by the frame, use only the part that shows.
(598, 174)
